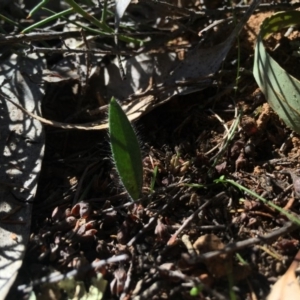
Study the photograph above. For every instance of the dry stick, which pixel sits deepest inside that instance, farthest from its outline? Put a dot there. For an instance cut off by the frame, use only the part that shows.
(85, 126)
(119, 60)
(31, 37)
(71, 274)
(199, 228)
(180, 275)
(127, 282)
(15, 222)
(159, 191)
(12, 212)
(225, 136)
(144, 229)
(134, 110)
(156, 286)
(189, 246)
(34, 49)
(252, 292)
(137, 95)
(235, 246)
(13, 185)
(296, 181)
(88, 64)
(193, 215)
(151, 291)
(221, 121)
(152, 220)
(261, 7)
(228, 137)
(215, 23)
(271, 252)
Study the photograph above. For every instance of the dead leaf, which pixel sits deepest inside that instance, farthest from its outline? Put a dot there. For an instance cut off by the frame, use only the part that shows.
(287, 287)
(218, 266)
(22, 148)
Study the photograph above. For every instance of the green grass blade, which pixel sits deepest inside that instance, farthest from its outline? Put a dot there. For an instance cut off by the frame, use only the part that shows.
(125, 150)
(89, 17)
(37, 7)
(153, 180)
(47, 20)
(104, 28)
(290, 216)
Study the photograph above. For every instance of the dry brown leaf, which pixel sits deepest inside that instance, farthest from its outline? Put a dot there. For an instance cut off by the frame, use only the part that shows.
(218, 266)
(22, 148)
(287, 287)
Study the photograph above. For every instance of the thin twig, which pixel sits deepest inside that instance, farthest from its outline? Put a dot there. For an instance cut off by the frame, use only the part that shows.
(58, 277)
(236, 246)
(152, 220)
(34, 49)
(193, 215)
(127, 282)
(221, 120)
(186, 278)
(32, 37)
(88, 65)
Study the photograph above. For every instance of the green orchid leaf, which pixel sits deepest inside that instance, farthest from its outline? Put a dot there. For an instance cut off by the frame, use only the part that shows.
(281, 89)
(279, 21)
(125, 150)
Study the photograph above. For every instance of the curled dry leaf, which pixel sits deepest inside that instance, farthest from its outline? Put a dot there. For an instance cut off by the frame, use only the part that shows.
(287, 287)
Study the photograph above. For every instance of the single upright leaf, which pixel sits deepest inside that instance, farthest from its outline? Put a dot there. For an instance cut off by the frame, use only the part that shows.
(281, 89)
(125, 150)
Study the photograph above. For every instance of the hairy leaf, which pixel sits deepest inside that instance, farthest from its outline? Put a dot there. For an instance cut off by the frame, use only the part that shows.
(125, 150)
